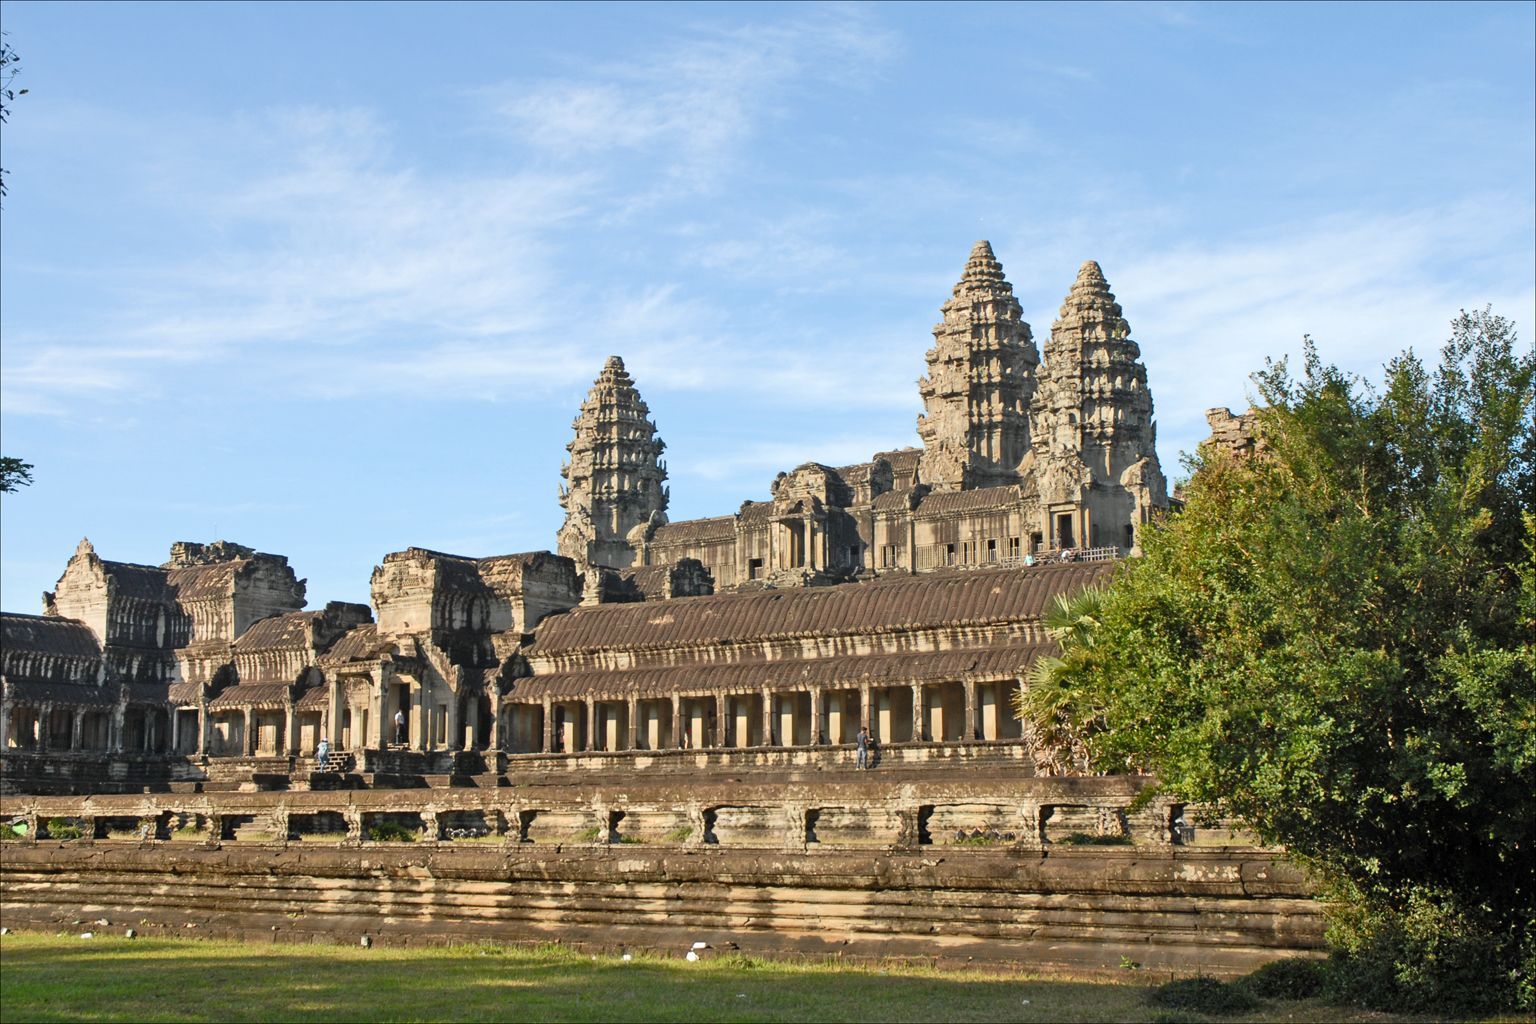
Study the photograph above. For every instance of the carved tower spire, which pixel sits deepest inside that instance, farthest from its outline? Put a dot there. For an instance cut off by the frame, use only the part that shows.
(981, 378)
(1093, 438)
(614, 480)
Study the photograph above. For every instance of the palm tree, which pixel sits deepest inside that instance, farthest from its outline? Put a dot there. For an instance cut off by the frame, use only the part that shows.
(1059, 742)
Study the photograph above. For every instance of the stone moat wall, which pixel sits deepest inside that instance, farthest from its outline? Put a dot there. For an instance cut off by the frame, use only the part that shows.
(1007, 872)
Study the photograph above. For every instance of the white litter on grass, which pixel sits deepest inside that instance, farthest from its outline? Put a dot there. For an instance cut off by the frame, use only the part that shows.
(130, 934)
(87, 935)
(365, 941)
(691, 955)
(626, 958)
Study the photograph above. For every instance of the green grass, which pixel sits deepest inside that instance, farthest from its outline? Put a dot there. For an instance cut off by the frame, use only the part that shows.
(65, 978)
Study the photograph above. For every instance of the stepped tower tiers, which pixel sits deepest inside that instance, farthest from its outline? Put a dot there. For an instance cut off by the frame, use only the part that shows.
(1093, 448)
(981, 379)
(614, 480)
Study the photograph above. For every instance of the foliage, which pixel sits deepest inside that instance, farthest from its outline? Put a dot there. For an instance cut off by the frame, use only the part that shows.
(680, 834)
(587, 835)
(1203, 995)
(1335, 642)
(1427, 954)
(10, 67)
(1294, 978)
(390, 832)
(65, 828)
(14, 474)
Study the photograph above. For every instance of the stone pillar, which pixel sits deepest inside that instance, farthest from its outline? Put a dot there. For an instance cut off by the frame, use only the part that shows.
(204, 724)
(548, 746)
(291, 739)
(815, 716)
(6, 710)
(44, 726)
(919, 714)
(810, 543)
(591, 736)
(464, 721)
(383, 721)
(632, 709)
(119, 712)
(250, 731)
(866, 709)
(677, 721)
(722, 733)
(767, 717)
(421, 717)
(175, 729)
(76, 721)
(969, 732)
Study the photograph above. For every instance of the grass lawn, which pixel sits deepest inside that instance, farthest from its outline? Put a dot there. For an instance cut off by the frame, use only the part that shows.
(49, 977)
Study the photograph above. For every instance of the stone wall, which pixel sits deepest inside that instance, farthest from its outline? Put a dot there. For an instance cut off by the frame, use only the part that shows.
(853, 866)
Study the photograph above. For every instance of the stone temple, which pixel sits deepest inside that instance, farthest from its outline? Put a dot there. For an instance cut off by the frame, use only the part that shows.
(653, 728)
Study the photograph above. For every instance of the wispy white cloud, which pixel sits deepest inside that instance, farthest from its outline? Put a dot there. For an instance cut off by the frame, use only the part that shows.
(691, 106)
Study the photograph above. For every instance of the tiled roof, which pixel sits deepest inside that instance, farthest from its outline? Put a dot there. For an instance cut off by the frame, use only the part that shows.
(133, 580)
(29, 691)
(47, 634)
(979, 499)
(975, 596)
(279, 632)
(251, 695)
(201, 582)
(696, 531)
(789, 674)
(358, 644)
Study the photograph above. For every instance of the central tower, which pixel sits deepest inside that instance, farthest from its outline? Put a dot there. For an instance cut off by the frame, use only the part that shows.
(615, 478)
(980, 382)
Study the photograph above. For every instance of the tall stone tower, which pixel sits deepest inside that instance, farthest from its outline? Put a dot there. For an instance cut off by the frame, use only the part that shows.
(981, 378)
(614, 480)
(1093, 442)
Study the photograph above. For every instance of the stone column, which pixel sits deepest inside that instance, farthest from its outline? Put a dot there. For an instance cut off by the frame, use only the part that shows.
(969, 732)
(549, 726)
(421, 716)
(866, 709)
(632, 725)
(383, 721)
(677, 721)
(118, 712)
(44, 726)
(919, 714)
(175, 729)
(810, 546)
(204, 724)
(250, 731)
(722, 734)
(291, 738)
(767, 717)
(591, 736)
(815, 716)
(6, 709)
(76, 721)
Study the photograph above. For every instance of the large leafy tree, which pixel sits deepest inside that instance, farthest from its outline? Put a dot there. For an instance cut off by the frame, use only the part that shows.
(1335, 641)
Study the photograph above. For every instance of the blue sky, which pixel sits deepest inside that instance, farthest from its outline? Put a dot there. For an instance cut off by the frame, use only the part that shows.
(332, 280)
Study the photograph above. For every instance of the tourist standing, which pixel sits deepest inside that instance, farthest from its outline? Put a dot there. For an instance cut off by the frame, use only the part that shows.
(863, 744)
(322, 754)
(400, 725)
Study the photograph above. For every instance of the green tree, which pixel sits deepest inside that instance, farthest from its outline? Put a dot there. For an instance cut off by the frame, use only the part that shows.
(13, 474)
(1335, 641)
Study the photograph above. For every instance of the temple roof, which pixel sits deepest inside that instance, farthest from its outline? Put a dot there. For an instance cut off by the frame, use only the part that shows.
(794, 673)
(47, 634)
(979, 596)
